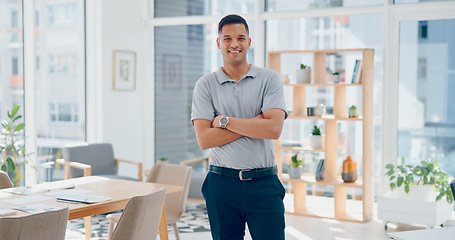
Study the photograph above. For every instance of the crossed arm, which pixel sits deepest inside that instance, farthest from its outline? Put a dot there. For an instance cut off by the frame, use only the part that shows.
(267, 125)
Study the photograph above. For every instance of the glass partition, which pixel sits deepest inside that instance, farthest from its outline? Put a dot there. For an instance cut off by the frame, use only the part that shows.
(60, 79)
(426, 110)
(183, 54)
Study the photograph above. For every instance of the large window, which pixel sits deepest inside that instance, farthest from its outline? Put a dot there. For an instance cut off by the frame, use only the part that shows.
(175, 8)
(286, 5)
(11, 57)
(426, 110)
(60, 76)
(59, 79)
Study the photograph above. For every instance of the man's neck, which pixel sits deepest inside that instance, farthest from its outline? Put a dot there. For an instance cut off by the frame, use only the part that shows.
(236, 72)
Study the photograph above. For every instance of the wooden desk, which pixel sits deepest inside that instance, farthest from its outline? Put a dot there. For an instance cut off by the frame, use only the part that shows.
(119, 190)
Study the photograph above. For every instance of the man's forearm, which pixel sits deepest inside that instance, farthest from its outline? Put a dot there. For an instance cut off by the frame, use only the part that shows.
(209, 137)
(263, 126)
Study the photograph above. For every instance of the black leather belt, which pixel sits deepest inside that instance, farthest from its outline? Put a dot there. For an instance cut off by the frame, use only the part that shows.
(244, 175)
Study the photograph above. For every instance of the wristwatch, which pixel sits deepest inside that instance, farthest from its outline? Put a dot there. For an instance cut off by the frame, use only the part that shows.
(224, 121)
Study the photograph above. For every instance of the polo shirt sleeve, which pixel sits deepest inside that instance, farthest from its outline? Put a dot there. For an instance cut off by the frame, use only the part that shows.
(202, 105)
(274, 94)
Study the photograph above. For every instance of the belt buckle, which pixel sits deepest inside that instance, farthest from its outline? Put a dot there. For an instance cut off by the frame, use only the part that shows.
(241, 175)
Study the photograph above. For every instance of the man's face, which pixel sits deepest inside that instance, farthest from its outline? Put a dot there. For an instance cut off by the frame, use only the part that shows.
(234, 42)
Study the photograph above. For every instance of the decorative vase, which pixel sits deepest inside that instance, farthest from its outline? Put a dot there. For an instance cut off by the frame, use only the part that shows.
(317, 141)
(349, 173)
(303, 76)
(336, 78)
(319, 110)
(295, 172)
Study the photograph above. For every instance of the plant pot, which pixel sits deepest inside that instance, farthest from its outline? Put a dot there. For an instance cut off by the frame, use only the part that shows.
(317, 141)
(303, 76)
(421, 192)
(295, 172)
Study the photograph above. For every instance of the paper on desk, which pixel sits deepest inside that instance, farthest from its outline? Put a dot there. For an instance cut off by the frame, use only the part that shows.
(38, 208)
(54, 185)
(84, 198)
(5, 212)
(69, 192)
(23, 190)
(28, 199)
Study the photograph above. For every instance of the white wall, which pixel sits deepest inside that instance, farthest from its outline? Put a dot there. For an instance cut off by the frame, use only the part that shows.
(120, 115)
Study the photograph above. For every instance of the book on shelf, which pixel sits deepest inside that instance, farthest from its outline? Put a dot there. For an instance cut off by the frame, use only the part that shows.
(291, 143)
(357, 71)
(320, 170)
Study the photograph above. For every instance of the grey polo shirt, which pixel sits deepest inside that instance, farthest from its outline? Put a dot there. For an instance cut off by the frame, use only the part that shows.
(259, 90)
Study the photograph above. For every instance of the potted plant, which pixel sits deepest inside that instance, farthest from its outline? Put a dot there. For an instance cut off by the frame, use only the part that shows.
(316, 138)
(414, 178)
(13, 153)
(353, 112)
(336, 77)
(303, 74)
(295, 169)
(163, 160)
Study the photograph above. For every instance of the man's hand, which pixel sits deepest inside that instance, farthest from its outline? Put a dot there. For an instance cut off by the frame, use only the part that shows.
(216, 122)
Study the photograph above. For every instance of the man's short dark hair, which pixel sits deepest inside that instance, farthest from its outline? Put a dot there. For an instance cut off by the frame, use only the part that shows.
(231, 19)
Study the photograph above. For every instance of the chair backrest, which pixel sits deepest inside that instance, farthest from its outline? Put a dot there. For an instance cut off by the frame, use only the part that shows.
(99, 155)
(40, 226)
(141, 217)
(176, 175)
(5, 181)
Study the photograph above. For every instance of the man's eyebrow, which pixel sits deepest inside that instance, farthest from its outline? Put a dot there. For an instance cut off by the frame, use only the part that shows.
(241, 35)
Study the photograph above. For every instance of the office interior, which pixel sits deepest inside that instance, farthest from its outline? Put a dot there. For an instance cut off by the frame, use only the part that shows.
(58, 63)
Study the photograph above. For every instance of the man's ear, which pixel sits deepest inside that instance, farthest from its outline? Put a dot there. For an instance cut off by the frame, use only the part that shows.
(249, 43)
(218, 43)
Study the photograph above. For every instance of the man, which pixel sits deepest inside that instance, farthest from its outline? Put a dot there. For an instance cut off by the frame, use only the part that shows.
(237, 112)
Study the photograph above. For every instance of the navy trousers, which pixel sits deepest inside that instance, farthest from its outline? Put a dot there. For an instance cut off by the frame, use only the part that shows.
(231, 203)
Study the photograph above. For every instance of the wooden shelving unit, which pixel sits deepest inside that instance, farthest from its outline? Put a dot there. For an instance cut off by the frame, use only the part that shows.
(338, 207)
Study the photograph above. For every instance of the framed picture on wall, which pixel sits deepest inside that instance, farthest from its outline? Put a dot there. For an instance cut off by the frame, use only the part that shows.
(124, 70)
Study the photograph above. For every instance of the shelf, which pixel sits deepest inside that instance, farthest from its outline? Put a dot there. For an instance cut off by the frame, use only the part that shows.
(323, 207)
(311, 180)
(302, 149)
(322, 84)
(326, 117)
(338, 207)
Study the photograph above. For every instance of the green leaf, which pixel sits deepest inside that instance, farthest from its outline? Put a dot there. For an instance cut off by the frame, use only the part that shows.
(17, 118)
(19, 127)
(14, 111)
(389, 166)
(3, 168)
(11, 164)
(8, 126)
(392, 186)
(406, 188)
(439, 196)
(399, 181)
(392, 177)
(390, 172)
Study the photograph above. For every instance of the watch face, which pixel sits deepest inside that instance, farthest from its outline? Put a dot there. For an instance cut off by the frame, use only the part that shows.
(223, 120)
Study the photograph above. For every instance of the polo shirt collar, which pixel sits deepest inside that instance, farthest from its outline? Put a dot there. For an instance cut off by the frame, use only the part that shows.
(222, 77)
